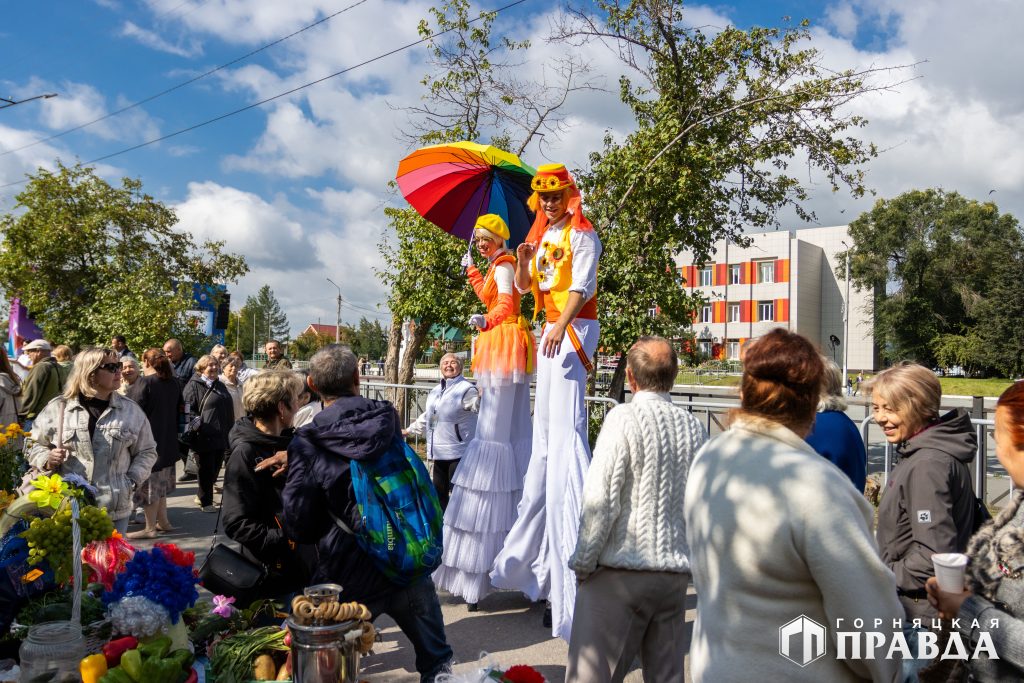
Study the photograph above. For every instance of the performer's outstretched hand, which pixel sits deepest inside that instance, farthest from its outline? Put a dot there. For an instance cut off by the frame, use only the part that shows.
(526, 251)
(478, 320)
(467, 260)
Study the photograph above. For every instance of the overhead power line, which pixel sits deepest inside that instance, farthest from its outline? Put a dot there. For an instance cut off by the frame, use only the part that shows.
(4, 102)
(278, 96)
(183, 83)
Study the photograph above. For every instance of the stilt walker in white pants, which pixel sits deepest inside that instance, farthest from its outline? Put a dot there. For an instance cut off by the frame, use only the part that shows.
(558, 262)
(489, 482)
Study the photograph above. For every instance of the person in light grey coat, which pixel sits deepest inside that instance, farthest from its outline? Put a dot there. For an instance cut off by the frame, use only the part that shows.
(105, 438)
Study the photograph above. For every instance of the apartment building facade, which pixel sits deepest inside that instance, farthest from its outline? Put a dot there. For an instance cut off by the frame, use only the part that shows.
(783, 279)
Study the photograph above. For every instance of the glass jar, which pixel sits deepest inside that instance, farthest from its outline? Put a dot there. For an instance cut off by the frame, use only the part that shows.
(52, 648)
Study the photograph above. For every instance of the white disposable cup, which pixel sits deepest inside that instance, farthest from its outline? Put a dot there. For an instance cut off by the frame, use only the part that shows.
(949, 571)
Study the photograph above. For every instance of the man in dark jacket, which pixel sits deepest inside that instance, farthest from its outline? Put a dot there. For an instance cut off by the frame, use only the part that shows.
(184, 364)
(319, 490)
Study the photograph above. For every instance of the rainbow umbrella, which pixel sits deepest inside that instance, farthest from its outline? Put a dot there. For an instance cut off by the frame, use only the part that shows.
(451, 185)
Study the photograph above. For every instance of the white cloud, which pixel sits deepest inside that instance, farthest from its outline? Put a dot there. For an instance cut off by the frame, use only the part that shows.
(843, 19)
(153, 40)
(265, 233)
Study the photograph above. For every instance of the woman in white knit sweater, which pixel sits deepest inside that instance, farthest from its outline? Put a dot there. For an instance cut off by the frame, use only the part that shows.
(778, 536)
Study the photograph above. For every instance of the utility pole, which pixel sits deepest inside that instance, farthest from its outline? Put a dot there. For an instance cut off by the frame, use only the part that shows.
(254, 337)
(846, 322)
(337, 327)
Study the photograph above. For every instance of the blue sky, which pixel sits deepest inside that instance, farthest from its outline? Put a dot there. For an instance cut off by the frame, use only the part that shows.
(298, 185)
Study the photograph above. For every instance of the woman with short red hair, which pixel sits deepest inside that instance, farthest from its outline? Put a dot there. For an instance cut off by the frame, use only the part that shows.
(777, 534)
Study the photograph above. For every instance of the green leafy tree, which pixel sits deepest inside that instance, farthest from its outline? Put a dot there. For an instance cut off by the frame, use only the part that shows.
(473, 92)
(91, 260)
(425, 282)
(930, 258)
(260, 316)
(369, 339)
(998, 317)
(308, 343)
(720, 118)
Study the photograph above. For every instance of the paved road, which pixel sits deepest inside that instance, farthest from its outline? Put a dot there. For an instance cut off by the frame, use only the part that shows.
(507, 626)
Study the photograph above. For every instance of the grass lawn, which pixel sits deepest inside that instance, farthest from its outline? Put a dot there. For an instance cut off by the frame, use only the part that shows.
(712, 380)
(963, 386)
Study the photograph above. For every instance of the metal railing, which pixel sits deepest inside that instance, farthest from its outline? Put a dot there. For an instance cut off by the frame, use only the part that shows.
(979, 465)
(414, 403)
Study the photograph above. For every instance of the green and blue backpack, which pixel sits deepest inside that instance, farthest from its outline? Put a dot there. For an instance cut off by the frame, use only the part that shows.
(401, 516)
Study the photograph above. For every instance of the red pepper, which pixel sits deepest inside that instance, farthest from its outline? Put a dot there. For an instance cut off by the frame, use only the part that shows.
(115, 648)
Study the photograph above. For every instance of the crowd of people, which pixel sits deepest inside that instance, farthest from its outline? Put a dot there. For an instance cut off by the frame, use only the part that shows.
(767, 520)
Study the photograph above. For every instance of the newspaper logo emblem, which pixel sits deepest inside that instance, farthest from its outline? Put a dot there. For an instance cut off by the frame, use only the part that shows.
(811, 640)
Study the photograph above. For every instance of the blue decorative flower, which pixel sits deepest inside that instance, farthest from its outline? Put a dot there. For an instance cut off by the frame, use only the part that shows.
(151, 574)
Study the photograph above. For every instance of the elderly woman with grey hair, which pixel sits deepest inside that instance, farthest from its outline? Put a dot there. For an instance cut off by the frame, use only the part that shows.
(834, 435)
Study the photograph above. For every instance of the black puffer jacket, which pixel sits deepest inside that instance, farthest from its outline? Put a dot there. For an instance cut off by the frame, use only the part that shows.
(252, 508)
(320, 484)
(928, 503)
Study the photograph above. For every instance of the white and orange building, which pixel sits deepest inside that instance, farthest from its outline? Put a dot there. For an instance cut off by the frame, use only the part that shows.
(783, 279)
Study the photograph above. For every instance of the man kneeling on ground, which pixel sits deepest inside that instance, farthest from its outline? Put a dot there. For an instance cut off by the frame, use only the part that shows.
(319, 490)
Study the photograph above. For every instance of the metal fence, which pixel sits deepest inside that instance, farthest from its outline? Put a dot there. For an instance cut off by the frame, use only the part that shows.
(412, 401)
(713, 416)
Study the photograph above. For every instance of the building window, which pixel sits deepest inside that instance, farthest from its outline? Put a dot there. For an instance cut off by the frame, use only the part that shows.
(707, 276)
(732, 349)
(734, 313)
(735, 274)
(652, 312)
(705, 348)
(766, 310)
(766, 271)
(705, 314)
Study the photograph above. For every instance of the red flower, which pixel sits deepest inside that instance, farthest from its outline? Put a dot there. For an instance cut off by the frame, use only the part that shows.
(522, 674)
(176, 555)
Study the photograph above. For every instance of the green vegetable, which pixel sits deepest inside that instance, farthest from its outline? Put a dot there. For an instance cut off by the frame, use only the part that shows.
(156, 670)
(232, 658)
(116, 675)
(183, 658)
(131, 662)
(158, 647)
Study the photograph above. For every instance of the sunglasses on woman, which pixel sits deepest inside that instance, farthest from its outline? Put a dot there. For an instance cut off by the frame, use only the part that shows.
(112, 368)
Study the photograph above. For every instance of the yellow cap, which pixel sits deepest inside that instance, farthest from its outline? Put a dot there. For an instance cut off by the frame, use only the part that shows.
(551, 178)
(492, 223)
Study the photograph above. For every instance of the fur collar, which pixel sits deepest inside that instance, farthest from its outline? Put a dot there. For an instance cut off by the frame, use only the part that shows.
(997, 550)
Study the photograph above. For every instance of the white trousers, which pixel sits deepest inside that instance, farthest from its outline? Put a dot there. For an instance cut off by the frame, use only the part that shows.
(535, 558)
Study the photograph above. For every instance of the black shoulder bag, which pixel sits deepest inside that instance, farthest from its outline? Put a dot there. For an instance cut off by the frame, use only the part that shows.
(188, 439)
(226, 571)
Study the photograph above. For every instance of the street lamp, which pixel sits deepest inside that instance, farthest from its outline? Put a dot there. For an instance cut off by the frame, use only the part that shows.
(846, 320)
(337, 327)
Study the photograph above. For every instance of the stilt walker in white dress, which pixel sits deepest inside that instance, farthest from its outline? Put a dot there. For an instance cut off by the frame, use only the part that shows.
(558, 262)
(489, 481)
